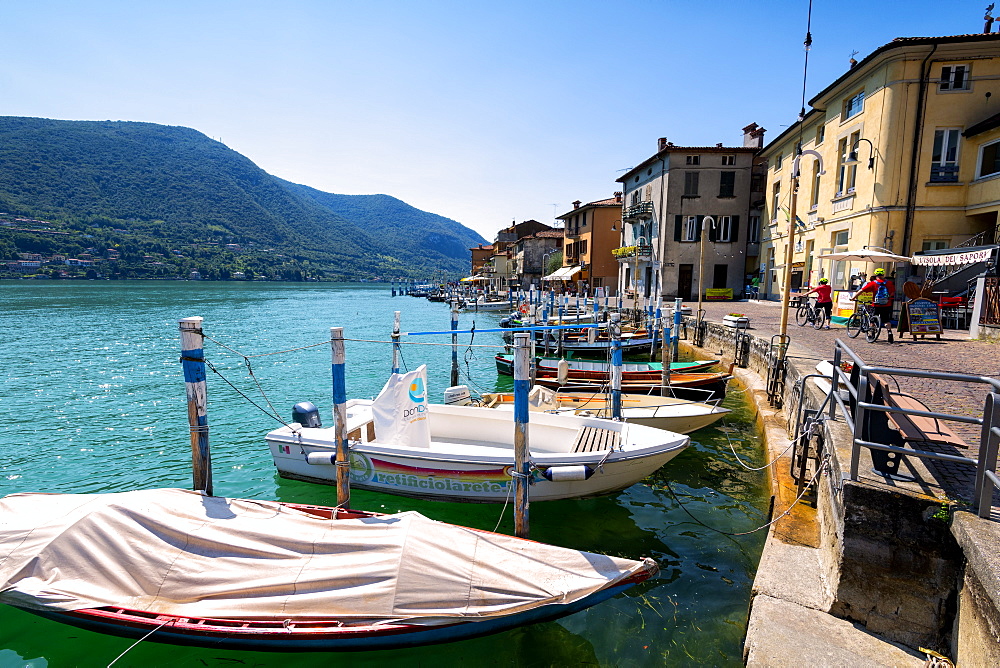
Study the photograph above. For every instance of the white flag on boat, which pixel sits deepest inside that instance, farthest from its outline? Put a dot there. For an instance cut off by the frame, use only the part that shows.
(400, 410)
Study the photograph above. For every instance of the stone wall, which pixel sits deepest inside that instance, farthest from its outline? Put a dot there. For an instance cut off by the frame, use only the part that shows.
(889, 563)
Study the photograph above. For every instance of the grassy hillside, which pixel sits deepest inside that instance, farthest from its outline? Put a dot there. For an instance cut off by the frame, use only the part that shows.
(146, 200)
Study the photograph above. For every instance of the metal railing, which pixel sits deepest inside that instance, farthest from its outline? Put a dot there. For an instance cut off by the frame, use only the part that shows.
(858, 384)
(638, 210)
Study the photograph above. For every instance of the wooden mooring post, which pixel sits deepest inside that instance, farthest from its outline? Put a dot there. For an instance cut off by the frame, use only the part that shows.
(522, 364)
(193, 363)
(395, 343)
(615, 330)
(339, 372)
(454, 343)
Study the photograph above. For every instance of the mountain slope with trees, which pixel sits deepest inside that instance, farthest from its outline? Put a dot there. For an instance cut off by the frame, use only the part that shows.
(169, 200)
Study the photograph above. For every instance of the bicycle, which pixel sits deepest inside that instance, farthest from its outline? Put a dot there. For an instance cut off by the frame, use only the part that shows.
(810, 312)
(864, 321)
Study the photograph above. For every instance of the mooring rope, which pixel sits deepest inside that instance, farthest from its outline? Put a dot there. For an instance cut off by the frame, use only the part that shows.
(819, 470)
(274, 415)
(169, 621)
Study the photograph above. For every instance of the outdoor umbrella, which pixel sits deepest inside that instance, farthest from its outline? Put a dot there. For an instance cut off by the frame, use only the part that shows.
(865, 255)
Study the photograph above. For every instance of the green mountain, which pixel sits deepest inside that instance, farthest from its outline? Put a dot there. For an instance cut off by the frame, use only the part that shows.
(146, 200)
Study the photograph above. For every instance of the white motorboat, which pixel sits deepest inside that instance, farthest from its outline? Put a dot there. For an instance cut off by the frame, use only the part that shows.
(470, 454)
(676, 415)
(487, 305)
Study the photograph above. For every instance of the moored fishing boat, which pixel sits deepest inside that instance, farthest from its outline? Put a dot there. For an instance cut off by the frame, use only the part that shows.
(694, 386)
(596, 369)
(677, 415)
(182, 567)
(469, 454)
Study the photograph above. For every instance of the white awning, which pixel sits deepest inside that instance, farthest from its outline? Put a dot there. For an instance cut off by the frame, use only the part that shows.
(563, 274)
(469, 279)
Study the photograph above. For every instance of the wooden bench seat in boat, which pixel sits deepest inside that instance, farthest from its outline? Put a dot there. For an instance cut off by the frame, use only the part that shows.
(597, 439)
(916, 428)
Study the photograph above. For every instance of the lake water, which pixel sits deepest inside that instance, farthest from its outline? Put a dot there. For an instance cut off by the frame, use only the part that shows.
(93, 401)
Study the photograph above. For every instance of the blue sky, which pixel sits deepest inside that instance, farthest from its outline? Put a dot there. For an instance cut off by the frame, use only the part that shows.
(484, 112)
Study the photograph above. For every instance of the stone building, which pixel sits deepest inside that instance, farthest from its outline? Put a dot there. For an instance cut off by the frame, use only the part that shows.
(669, 200)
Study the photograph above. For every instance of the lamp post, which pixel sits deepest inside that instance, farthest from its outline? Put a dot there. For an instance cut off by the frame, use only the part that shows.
(639, 243)
(786, 288)
(706, 221)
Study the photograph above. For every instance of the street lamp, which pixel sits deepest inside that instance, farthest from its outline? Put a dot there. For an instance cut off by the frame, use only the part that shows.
(639, 243)
(852, 157)
(786, 291)
(706, 221)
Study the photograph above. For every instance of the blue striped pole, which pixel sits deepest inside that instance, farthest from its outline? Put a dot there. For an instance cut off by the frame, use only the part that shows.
(454, 343)
(395, 343)
(522, 364)
(656, 333)
(193, 364)
(615, 327)
(678, 304)
(343, 459)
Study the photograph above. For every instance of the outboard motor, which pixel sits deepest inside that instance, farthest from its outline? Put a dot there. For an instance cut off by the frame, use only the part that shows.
(457, 395)
(306, 414)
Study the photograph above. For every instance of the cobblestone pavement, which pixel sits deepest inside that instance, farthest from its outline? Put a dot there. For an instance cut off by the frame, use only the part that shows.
(953, 353)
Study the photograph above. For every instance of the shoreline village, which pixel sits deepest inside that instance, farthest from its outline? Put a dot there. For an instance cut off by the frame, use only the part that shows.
(742, 406)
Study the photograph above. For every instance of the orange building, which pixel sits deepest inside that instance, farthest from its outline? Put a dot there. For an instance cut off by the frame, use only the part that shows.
(591, 232)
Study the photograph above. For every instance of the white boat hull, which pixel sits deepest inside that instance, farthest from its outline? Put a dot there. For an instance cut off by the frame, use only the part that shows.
(461, 466)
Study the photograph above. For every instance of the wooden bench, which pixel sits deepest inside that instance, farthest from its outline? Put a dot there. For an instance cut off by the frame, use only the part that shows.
(597, 439)
(915, 428)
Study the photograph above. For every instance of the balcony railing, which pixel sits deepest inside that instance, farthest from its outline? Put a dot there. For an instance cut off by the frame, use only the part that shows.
(640, 210)
(642, 252)
(944, 172)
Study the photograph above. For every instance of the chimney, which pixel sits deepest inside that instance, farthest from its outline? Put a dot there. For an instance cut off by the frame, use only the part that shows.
(661, 144)
(719, 145)
(618, 197)
(753, 136)
(576, 204)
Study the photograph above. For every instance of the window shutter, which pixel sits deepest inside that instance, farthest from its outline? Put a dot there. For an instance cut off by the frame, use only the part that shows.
(699, 220)
(713, 231)
(734, 229)
(959, 82)
(678, 223)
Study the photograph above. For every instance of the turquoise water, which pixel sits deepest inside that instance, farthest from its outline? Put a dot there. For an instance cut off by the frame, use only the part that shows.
(93, 401)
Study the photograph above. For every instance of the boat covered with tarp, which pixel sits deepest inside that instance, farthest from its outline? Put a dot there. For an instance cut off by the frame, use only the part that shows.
(187, 568)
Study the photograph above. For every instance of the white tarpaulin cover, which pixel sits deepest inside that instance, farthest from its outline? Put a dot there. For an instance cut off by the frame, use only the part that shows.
(399, 412)
(178, 552)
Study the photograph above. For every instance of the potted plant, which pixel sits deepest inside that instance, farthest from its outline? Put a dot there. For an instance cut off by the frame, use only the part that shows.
(735, 320)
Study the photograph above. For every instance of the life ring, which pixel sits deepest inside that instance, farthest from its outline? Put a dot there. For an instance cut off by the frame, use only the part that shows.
(523, 309)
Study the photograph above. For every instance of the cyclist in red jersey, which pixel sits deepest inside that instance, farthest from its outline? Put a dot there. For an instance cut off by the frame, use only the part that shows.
(883, 310)
(824, 298)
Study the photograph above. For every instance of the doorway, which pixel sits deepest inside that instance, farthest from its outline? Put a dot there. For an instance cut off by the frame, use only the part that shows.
(684, 275)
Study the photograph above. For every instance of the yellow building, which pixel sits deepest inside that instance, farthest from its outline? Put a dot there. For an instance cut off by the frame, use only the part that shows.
(921, 115)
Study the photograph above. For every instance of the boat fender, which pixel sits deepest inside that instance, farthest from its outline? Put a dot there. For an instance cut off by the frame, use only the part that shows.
(322, 458)
(306, 414)
(562, 372)
(568, 473)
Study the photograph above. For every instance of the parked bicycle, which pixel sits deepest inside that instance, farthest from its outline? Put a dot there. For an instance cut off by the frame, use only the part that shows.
(864, 320)
(809, 312)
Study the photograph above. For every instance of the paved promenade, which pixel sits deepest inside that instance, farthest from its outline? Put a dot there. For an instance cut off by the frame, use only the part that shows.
(953, 353)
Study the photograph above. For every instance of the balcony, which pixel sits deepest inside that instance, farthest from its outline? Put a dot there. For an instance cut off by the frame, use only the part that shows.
(642, 253)
(638, 211)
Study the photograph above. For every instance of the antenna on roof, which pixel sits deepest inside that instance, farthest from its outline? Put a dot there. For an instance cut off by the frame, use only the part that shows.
(989, 19)
(853, 61)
